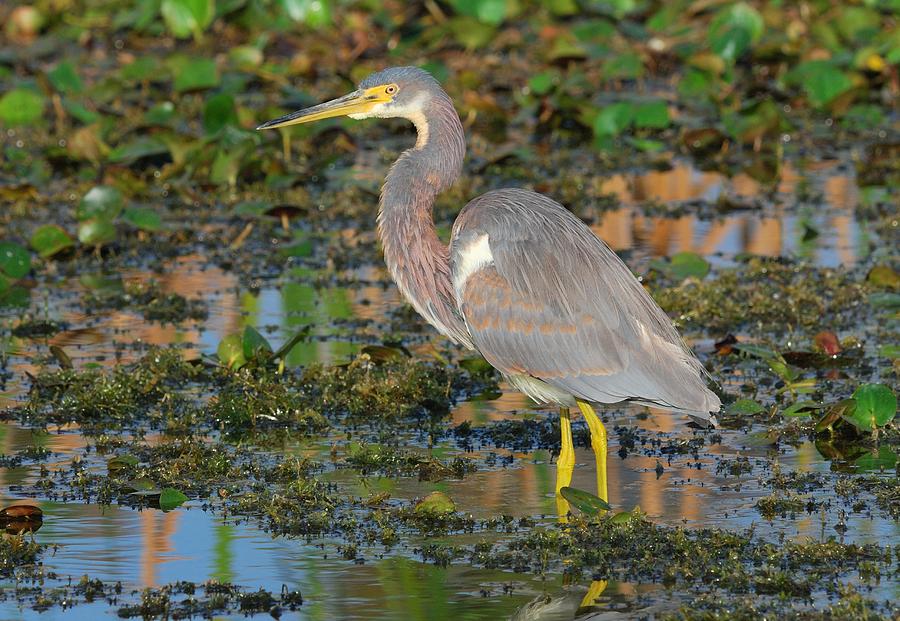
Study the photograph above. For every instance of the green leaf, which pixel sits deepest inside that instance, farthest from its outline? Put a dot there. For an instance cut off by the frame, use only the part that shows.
(21, 107)
(745, 407)
(15, 261)
(254, 345)
(96, 232)
(584, 502)
(652, 115)
(628, 66)
(218, 112)
(143, 218)
(435, 503)
(101, 201)
(184, 18)
(314, 13)
(821, 80)
(143, 146)
(734, 29)
(65, 79)
(884, 459)
(491, 12)
(614, 119)
(142, 69)
(801, 408)
(121, 463)
(876, 406)
(171, 498)
(231, 351)
(160, 114)
(196, 74)
(688, 264)
(542, 83)
(50, 239)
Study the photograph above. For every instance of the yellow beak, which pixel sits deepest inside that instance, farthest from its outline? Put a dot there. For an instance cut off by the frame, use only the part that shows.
(357, 102)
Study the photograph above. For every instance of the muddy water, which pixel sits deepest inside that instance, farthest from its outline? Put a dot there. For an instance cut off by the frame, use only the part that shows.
(147, 548)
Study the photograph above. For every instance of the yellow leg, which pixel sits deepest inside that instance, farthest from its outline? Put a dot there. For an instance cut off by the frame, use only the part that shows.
(598, 443)
(594, 592)
(565, 464)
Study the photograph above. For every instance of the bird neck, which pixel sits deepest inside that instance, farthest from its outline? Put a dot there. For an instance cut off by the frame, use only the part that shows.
(417, 259)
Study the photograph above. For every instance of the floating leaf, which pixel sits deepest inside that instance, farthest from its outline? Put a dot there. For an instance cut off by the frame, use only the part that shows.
(15, 262)
(382, 353)
(102, 201)
(487, 11)
(96, 232)
(821, 80)
(184, 18)
(889, 351)
(144, 146)
(218, 112)
(583, 501)
(688, 264)
(734, 29)
(652, 115)
(745, 407)
(65, 79)
(542, 83)
(435, 503)
(49, 239)
(875, 461)
(171, 498)
(876, 406)
(195, 74)
(834, 414)
(143, 218)
(801, 408)
(315, 13)
(614, 119)
(231, 351)
(121, 463)
(21, 106)
(254, 345)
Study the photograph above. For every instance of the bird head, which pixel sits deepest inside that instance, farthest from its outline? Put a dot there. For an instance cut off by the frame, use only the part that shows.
(395, 92)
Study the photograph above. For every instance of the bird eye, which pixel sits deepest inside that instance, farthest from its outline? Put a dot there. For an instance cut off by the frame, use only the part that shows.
(391, 89)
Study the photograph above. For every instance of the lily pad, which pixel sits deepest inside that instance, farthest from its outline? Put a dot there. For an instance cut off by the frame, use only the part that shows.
(50, 239)
(435, 503)
(143, 218)
(96, 232)
(254, 345)
(21, 106)
(231, 351)
(171, 498)
(15, 262)
(585, 502)
(103, 201)
(876, 406)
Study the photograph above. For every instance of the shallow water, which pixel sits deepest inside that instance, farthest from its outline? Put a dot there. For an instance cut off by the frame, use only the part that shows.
(147, 548)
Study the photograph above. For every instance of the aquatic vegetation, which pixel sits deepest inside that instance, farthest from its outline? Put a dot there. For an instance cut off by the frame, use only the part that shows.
(129, 153)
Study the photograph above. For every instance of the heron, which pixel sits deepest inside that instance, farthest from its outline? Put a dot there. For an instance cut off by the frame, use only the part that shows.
(523, 281)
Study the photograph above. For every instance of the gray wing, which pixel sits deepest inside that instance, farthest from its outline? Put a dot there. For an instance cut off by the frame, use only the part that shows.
(544, 297)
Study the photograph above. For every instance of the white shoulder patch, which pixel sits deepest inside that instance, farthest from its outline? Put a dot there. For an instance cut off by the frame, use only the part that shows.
(476, 255)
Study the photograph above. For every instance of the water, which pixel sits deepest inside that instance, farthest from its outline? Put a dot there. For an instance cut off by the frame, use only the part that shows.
(149, 548)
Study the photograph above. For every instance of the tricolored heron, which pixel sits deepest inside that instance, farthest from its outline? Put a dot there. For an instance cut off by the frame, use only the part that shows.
(524, 281)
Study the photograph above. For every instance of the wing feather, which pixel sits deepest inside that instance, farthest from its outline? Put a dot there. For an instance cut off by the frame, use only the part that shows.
(550, 300)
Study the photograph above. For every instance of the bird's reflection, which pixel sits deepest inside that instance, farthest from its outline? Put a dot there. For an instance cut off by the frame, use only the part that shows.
(566, 606)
